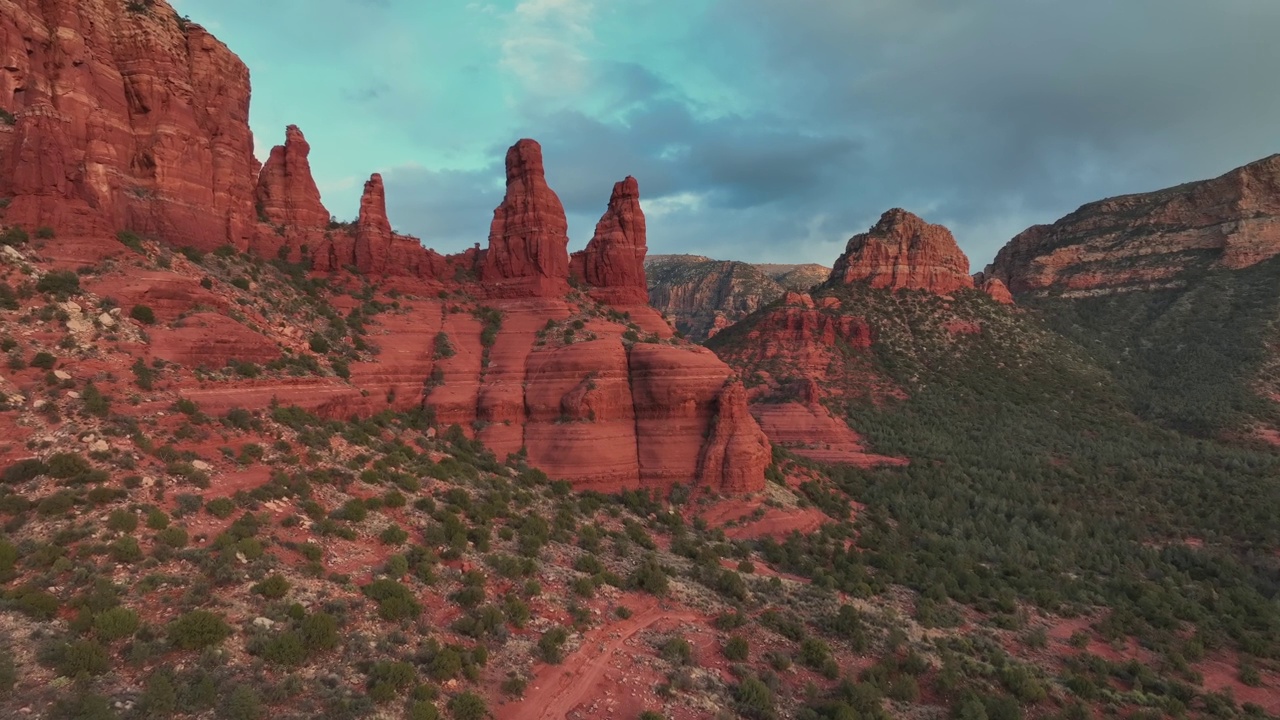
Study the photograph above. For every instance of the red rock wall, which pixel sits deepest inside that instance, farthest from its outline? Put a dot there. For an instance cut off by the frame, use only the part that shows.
(126, 119)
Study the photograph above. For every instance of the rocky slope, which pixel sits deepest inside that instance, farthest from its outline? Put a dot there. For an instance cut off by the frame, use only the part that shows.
(703, 296)
(1174, 291)
(1151, 240)
(130, 119)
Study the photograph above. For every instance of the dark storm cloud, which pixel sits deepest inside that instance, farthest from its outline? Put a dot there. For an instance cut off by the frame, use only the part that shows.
(995, 113)
(986, 115)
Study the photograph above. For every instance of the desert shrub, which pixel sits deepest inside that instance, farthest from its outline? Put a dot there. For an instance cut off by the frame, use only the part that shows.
(173, 536)
(80, 657)
(95, 403)
(131, 240)
(143, 314)
(43, 360)
(44, 232)
(551, 645)
(22, 471)
(220, 507)
(122, 521)
(198, 629)
(287, 648)
(14, 236)
(395, 601)
(468, 706)
(243, 703)
(59, 282)
(319, 632)
(116, 623)
(677, 651)
(388, 678)
(125, 550)
(35, 603)
(273, 587)
(736, 648)
(754, 699)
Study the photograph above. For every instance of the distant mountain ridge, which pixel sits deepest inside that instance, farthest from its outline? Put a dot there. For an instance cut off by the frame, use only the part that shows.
(702, 296)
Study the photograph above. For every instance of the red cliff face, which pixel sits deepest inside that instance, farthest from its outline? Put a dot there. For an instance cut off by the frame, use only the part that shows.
(613, 262)
(287, 194)
(903, 252)
(1148, 240)
(528, 240)
(125, 119)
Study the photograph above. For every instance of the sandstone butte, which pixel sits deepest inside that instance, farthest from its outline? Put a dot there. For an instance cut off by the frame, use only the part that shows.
(138, 120)
(803, 349)
(1147, 240)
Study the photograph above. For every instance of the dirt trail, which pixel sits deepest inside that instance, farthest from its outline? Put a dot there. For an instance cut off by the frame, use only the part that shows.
(558, 689)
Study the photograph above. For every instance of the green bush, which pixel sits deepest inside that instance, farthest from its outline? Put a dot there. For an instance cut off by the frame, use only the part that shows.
(80, 657)
(736, 648)
(14, 236)
(243, 703)
(116, 623)
(273, 587)
(125, 550)
(551, 645)
(468, 706)
(198, 629)
(395, 601)
(319, 344)
(122, 521)
(319, 632)
(131, 240)
(220, 508)
(44, 361)
(143, 314)
(22, 471)
(59, 282)
(754, 699)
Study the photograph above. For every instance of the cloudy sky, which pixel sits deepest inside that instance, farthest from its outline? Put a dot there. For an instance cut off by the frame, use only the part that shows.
(759, 129)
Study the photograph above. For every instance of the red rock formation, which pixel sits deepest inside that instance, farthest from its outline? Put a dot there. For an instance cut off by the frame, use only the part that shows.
(127, 119)
(287, 194)
(703, 296)
(528, 240)
(736, 452)
(376, 250)
(676, 392)
(998, 291)
(1148, 240)
(903, 252)
(373, 229)
(613, 262)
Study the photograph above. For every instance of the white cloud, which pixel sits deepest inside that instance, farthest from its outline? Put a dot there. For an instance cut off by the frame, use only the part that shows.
(542, 48)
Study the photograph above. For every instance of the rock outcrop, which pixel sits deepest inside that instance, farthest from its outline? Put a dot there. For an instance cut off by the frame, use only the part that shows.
(703, 296)
(528, 252)
(612, 265)
(998, 291)
(125, 118)
(287, 194)
(903, 252)
(1147, 241)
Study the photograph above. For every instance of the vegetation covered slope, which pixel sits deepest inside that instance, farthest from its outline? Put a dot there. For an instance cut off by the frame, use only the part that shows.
(1032, 484)
(1199, 358)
